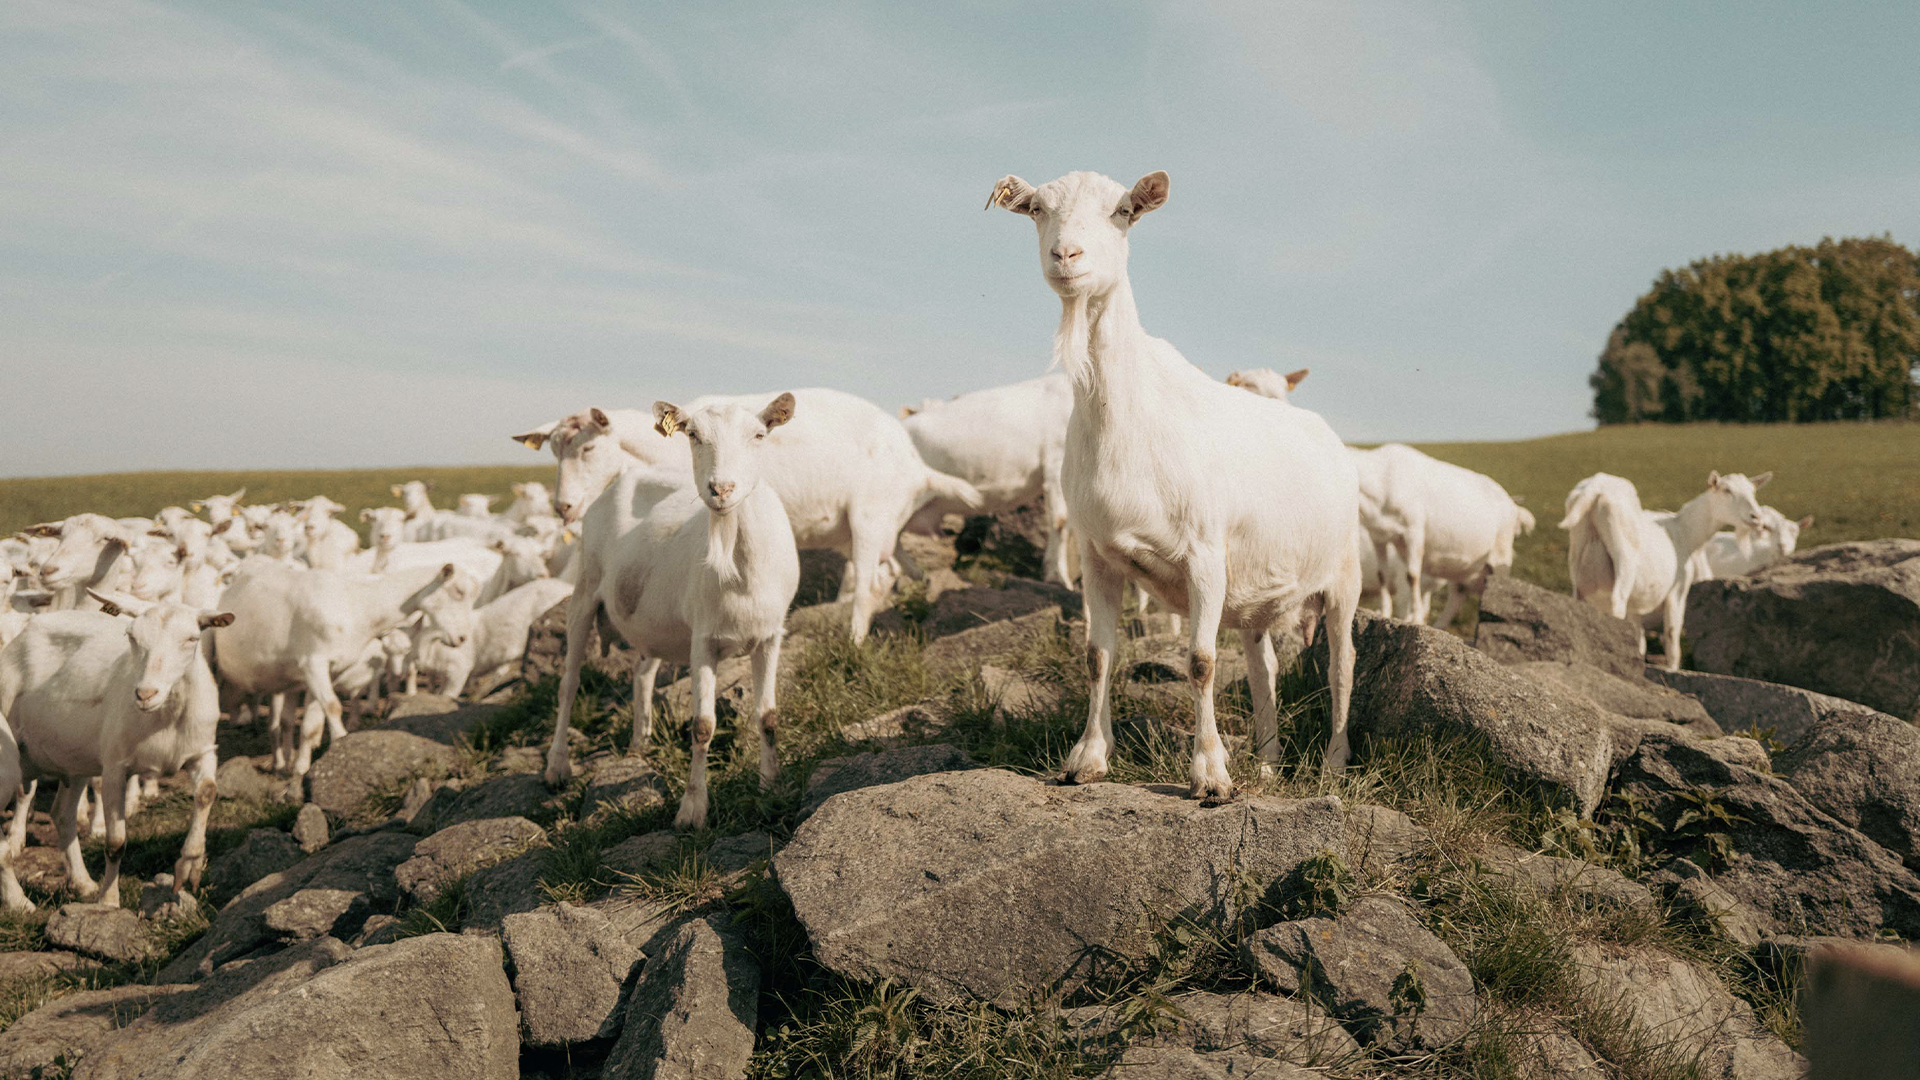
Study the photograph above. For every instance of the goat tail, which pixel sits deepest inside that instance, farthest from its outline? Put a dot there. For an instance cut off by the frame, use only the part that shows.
(1524, 517)
(1578, 507)
(949, 491)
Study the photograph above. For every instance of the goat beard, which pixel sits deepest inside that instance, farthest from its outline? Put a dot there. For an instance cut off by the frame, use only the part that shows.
(1072, 341)
(723, 539)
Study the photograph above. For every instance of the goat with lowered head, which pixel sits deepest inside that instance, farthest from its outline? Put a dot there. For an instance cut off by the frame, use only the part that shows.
(1630, 562)
(1231, 508)
(692, 574)
(88, 693)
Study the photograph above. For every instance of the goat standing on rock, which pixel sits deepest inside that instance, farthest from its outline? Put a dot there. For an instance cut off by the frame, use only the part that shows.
(1229, 507)
(691, 574)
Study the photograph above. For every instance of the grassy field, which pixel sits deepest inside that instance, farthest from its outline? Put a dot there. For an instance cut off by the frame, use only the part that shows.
(1859, 481)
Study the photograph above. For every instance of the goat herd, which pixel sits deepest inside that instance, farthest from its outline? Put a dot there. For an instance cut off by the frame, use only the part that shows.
(678, 529)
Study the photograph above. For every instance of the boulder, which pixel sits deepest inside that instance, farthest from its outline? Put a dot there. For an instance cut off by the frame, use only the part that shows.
(1680, 1005)
(367, 763)
(1260, 1025)
(984, 885)
(262, 852)
(1864, 769)
(693, 1011)
(835, 775)
(459, 850)
(628, 782)
(819, 622)
(1581, 883)
(157, 1042)
(1521, 622)
(49, 1040)
(310, 828)
(243, 778)
(1738, 704)
(448, 726)
(108, 933)
(19, 966)
(505, 888)
(908, 723)
(1795, 865)
(331, 893)
(1637, 698)
(437, 1005)
(419, 793)
(568, 966)
(514, 794)
(1384, 975)
(1180, 1063)
(1843, 619)
(1412, 680)
(1381, 840)
(965, 650)
(636, 855)
(1021, 695)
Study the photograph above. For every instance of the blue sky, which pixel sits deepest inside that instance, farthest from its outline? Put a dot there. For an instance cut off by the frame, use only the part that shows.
(363, 233)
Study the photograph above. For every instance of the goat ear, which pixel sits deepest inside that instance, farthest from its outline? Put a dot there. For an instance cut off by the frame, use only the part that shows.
(238, 495)
(162, 533)
(223, 526)
(1012, 193)
(209, 620)
(778, 411)
(534, 439)
(366, 514)
(52, 528)
(1295, 378)
(395, 489)
(120, 605)
(1234, 379)
(1713, 479)
(1761, 480)
(600, 420)
(1806, 521)
(666, 418)
(195, 506)
(906, 411)
(446, 572)
(1149, 193)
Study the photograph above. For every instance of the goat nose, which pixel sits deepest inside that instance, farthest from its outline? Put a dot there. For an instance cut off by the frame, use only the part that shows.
(720, 490)
(145, 694)
(1066, 252)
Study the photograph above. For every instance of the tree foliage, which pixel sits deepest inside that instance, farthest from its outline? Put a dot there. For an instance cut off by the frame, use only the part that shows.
(1830, 332)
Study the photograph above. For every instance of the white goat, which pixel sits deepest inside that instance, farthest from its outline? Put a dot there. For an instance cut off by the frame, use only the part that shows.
(1749, 551)
(531, 500)
(845, 470)
(329, 542)
(475, 506)
(87, 556)
(497, 567)
(1007, 442)
(89, 694)
(1230, 507)
(690, 578)
(303, 626)
(1630, 562)
(1267, 382)
(11, 621)
(498, 639)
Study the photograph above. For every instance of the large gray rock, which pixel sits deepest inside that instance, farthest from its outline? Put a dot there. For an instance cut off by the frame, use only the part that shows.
(437, 1005)
(987, 885)
(1521, 622)
(959, 610)
(966, 650)
(629, 782)
(854, 771)
(1637, 698)
(1843, 619)
(310, 828)
(505, 888)
(693, 1011)
(155, 1044)
(1412, 680)
(459, 850)
(1572, 880)
(243, 778)
(1864, 769)
(263, 852)
(19, 966)
(1796, 865)
(1370, 965)
(1678, 1004)
(1260, 1025)
(48, 1040)
(448, 726)
(1181, 1063)
(330, 893)
(568, 966)
(366, 763)
(515, 794)
(109, 933)
(1738, 704)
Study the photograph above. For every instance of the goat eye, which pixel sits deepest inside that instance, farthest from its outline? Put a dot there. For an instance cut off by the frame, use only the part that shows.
(760, 436)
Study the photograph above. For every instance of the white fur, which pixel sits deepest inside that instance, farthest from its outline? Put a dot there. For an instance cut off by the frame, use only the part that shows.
(1231, 508)
(648, 546)
(498, 638)
(1630, 562)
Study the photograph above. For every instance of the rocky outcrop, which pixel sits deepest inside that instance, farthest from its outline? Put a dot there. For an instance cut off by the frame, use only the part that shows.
(109, 933)
(966, 650)
(1521, 622)
(522, 795)
(1681, 1006)
(1842, 619)
(987, 885)
(1278, 1029)
(1864, 769)
(366, 763)
(693, 1010)
(263, 852)
(568, 966)
(50, 1039)
(1794, 864)
(1737, 704)
(629, 782)
(1390, 982)
(1635, 698)
(855, 771)
(459, 850)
